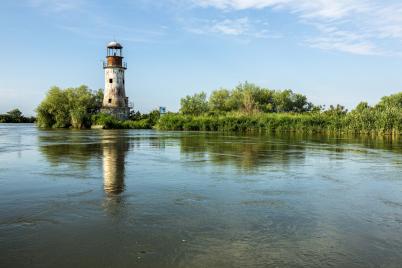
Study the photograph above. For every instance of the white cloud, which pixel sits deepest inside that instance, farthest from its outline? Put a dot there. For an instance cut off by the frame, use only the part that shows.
(344, 45)
(331, 38)
(231, 27)
(365, 27)
(306, 8)
(239, 27)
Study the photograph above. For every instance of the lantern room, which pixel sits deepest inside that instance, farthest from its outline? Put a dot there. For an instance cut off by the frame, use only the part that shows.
(114, 49)
(114, 56)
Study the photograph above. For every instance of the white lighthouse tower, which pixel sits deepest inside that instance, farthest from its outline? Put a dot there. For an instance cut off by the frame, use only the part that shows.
(115, 101)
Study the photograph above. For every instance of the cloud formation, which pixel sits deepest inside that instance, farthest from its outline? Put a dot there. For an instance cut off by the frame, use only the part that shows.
(241, 27)
(364, 27)
(306, 8)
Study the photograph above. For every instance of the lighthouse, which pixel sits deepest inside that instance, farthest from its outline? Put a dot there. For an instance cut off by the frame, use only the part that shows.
(115, 101)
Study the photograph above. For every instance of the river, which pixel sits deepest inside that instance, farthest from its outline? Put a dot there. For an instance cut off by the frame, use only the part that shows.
(133, 198)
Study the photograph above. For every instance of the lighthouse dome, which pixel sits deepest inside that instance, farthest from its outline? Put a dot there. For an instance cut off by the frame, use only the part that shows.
(114, 44)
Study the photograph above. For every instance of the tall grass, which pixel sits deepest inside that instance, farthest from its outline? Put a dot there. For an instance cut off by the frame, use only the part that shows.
(111, 122)
(388, 122)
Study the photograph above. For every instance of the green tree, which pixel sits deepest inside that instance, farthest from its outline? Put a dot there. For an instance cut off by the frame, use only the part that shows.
(154, 117)
(300, 103)
(194, 105)
(247, 97)
(135, 116)
(219, 101)
(282, 102)
(394, 100)
(68, 107)
(288, 101)
(15, 116)
(337, 110)
(248, 103)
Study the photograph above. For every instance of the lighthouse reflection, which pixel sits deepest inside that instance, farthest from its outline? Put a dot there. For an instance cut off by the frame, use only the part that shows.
(114, 150)
(113, 170)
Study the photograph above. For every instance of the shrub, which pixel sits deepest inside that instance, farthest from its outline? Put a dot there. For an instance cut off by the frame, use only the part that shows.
(71, 107)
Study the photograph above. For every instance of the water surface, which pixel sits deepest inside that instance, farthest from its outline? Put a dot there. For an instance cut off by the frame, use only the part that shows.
(130, 198)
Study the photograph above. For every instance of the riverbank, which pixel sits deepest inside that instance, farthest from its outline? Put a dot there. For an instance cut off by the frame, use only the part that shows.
(246, 108)
(351, 123)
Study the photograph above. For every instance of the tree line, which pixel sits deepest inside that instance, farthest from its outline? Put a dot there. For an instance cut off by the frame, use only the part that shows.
(16, 116)
(247, 98)
(248, 107)
(243, 108)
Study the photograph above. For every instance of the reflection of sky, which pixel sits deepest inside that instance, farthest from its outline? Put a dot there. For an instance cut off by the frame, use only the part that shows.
(200, 199)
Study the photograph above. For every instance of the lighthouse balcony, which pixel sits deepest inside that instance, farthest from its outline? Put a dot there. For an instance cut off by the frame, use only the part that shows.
(114, 64)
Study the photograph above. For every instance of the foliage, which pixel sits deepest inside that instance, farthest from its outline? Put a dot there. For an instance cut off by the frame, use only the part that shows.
(385, 119)
(71, 107)
(245, 108)
(247, 98)
(15, 116)
(219, 101)
(194, 105)
(394, 101)
(245, 122)
(80, 108)
(135, 116)
(110, 122)
(106, 120)
(152, 118)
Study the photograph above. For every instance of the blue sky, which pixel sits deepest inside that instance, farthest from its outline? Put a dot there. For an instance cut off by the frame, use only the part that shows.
(340, 51)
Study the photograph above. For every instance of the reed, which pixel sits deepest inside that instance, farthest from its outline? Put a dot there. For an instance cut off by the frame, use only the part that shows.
(374, 122)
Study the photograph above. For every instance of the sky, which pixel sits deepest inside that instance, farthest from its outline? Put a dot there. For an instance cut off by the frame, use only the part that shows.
(342, 51)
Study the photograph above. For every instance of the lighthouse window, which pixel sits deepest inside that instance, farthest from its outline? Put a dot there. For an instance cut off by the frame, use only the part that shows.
(110, 100)
(110, 80)
(123, 80)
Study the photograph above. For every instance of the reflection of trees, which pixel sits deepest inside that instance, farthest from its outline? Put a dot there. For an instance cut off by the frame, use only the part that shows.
(157, 142)
(251, 151)
(68, 147)
(245, 152)
(345, 143)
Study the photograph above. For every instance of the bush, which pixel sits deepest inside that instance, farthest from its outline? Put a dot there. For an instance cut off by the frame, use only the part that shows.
(110, 122)
(71, 107)
(194, 105)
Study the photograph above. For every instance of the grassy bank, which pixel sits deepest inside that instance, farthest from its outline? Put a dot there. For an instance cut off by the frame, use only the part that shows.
(376, 123)
(251, 108)
(110, 122)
